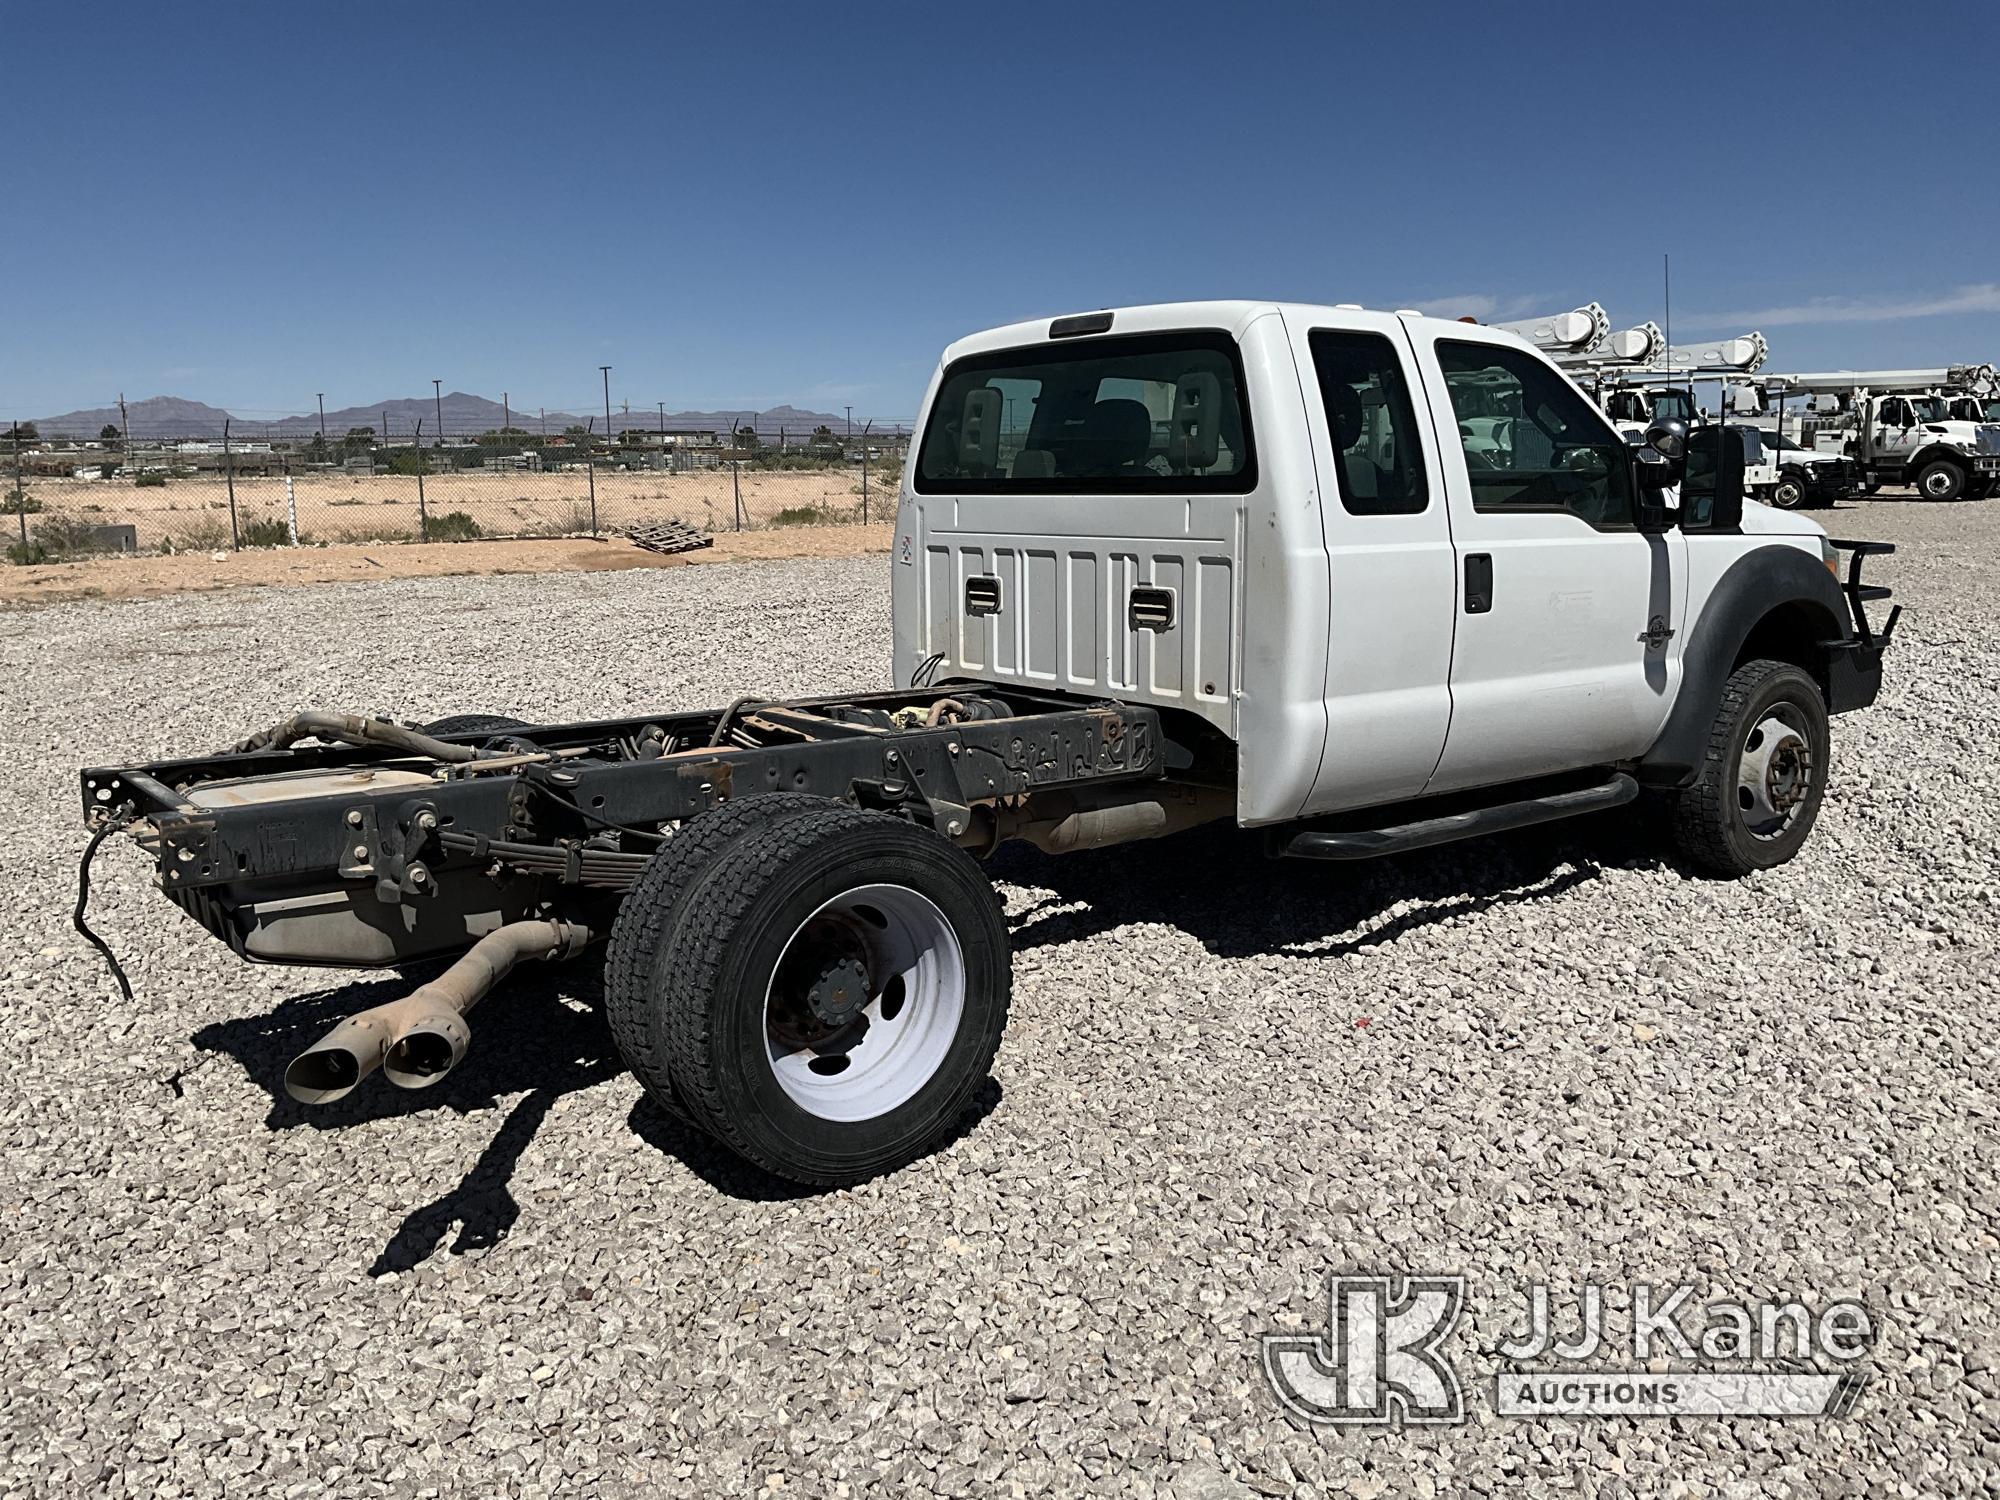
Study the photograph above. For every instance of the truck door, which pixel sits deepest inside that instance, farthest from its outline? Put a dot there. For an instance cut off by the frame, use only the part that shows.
(1569, 620)
(1388, 542)
(1895, 424)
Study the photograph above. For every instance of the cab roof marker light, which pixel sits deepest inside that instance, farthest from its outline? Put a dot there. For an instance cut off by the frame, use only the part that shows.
(1082, 323)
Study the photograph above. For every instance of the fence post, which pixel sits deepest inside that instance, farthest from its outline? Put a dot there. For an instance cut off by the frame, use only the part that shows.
(423, 515)
(20, 495)
(291, 505)
(229, 473)
(864, 469)
(590, 467)
(736, 485)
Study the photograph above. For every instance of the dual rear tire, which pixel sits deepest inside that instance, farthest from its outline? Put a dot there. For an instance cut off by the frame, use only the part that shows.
(820, 988)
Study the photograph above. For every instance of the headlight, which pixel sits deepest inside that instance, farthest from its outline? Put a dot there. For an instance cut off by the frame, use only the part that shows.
(1830, 555)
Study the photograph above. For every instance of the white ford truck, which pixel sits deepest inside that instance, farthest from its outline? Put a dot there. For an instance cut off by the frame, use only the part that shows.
(1356, 583)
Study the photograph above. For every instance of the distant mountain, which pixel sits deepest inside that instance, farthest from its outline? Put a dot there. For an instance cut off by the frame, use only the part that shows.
(155, 417)
(465, 415)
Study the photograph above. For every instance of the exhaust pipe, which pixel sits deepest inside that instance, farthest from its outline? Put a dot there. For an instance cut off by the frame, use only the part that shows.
(415, 1041)
(1065, 822)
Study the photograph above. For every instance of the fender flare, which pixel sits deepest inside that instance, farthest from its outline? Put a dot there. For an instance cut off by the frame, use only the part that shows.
(1771, 583)
(1932, 454)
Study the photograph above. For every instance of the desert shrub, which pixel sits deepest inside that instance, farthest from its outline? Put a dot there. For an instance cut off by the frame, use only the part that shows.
(20, 502)
(208, 534)
(151, 481)
(800, 515)
(453, 526)
(573, 519)
(266, 531)
(27, 552)
(359, 534)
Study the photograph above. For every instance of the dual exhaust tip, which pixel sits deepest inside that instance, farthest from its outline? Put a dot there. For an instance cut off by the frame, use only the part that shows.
(415, 1041)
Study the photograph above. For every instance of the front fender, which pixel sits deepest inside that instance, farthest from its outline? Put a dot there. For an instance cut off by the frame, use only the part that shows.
(1788, 597)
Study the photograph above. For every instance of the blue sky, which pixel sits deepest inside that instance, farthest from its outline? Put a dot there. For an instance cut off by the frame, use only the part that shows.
(249, 204)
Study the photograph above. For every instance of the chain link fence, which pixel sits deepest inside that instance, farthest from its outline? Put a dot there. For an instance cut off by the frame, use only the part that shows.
(73, 497)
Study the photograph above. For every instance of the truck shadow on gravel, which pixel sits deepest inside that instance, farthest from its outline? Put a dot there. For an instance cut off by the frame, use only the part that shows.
(1219, 887)
(543, 1035)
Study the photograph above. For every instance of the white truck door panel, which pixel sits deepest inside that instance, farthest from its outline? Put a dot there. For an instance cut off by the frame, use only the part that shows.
(1388, 539)
(1566, 660)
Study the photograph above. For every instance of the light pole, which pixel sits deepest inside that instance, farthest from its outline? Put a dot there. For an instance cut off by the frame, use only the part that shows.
(607, 401)
(437, 396)
(322, 418)
(663, 417)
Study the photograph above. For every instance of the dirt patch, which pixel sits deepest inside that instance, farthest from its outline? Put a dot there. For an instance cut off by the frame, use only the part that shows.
(193, 514)
(152, 577)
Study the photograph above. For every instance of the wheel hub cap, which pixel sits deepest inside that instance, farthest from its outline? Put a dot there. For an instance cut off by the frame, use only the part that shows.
(841, 990)
(1774, 777)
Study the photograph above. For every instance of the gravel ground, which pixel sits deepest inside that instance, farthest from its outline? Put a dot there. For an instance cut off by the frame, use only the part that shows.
(1548, 1056)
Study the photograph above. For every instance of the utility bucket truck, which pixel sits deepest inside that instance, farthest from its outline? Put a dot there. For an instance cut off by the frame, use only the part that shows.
(1355, 583)
(1931, 429)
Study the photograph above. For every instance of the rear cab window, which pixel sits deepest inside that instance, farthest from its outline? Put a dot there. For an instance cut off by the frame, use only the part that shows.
(1137, 414)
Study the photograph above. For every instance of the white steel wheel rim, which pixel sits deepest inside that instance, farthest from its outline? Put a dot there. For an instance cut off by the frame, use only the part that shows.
(1774, 775)
(1937, 484)
(899, 1040)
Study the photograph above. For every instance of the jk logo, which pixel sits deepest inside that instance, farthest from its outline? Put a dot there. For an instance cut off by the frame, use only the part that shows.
(1378, 1361)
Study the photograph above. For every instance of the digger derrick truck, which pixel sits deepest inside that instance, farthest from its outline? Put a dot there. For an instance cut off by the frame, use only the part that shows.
(1931, 429)
(1356, 583)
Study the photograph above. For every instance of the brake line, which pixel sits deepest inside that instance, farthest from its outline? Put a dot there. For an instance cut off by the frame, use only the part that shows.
(117, 821)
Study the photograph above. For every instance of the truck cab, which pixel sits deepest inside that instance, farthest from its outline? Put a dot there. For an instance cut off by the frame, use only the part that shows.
(1380, 556)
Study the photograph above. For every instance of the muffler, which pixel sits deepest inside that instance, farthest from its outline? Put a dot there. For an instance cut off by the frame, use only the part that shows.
(415, 1041)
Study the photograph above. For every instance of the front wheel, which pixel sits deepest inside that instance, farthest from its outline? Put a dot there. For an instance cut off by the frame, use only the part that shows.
(831, 993)
(1941, 479)
(1789, 493)
(1756, 793)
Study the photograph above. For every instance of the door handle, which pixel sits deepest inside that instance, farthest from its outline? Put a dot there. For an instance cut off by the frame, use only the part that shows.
(1478, 583)
(982, 594)
(1150, 608)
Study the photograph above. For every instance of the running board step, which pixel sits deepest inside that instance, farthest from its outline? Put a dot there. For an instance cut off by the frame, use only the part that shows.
(1398, 838)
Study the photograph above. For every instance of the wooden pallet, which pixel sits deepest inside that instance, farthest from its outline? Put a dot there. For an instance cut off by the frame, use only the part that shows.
(666, 536)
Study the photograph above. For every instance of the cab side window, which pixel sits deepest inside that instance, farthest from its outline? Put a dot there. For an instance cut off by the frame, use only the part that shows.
(1532, 441)
(1378, 461)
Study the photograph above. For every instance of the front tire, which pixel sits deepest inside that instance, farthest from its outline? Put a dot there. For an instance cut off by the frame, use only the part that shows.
(1789, 493)
(1757, 792)
(1941, 479)
(831, 993)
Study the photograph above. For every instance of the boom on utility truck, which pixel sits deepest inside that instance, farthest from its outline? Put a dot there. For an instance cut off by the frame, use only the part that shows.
(1360, 582)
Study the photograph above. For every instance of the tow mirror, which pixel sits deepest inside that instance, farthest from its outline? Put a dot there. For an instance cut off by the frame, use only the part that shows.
(979, 430)
(1712, 491)
(1657, 465)
(1668, 437)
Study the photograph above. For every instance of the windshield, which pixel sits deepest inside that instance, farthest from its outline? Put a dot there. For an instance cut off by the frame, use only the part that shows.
(1929, 408)
(1675, 405)
(1779, 441)
(1148, 414)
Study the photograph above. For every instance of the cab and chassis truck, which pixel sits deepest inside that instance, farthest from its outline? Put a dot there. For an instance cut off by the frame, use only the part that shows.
(1358, 583)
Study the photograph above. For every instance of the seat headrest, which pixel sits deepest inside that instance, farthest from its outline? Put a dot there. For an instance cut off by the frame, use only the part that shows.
(1343, 405)
(1119, 433)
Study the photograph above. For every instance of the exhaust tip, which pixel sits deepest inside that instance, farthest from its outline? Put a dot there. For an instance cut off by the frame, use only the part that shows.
(427, 1051)
(322, 1075)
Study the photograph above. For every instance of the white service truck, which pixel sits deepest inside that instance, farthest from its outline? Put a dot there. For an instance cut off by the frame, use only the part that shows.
(1355, 583)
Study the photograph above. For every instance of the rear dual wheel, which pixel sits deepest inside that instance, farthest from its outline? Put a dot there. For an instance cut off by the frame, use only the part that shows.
(820, 988)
